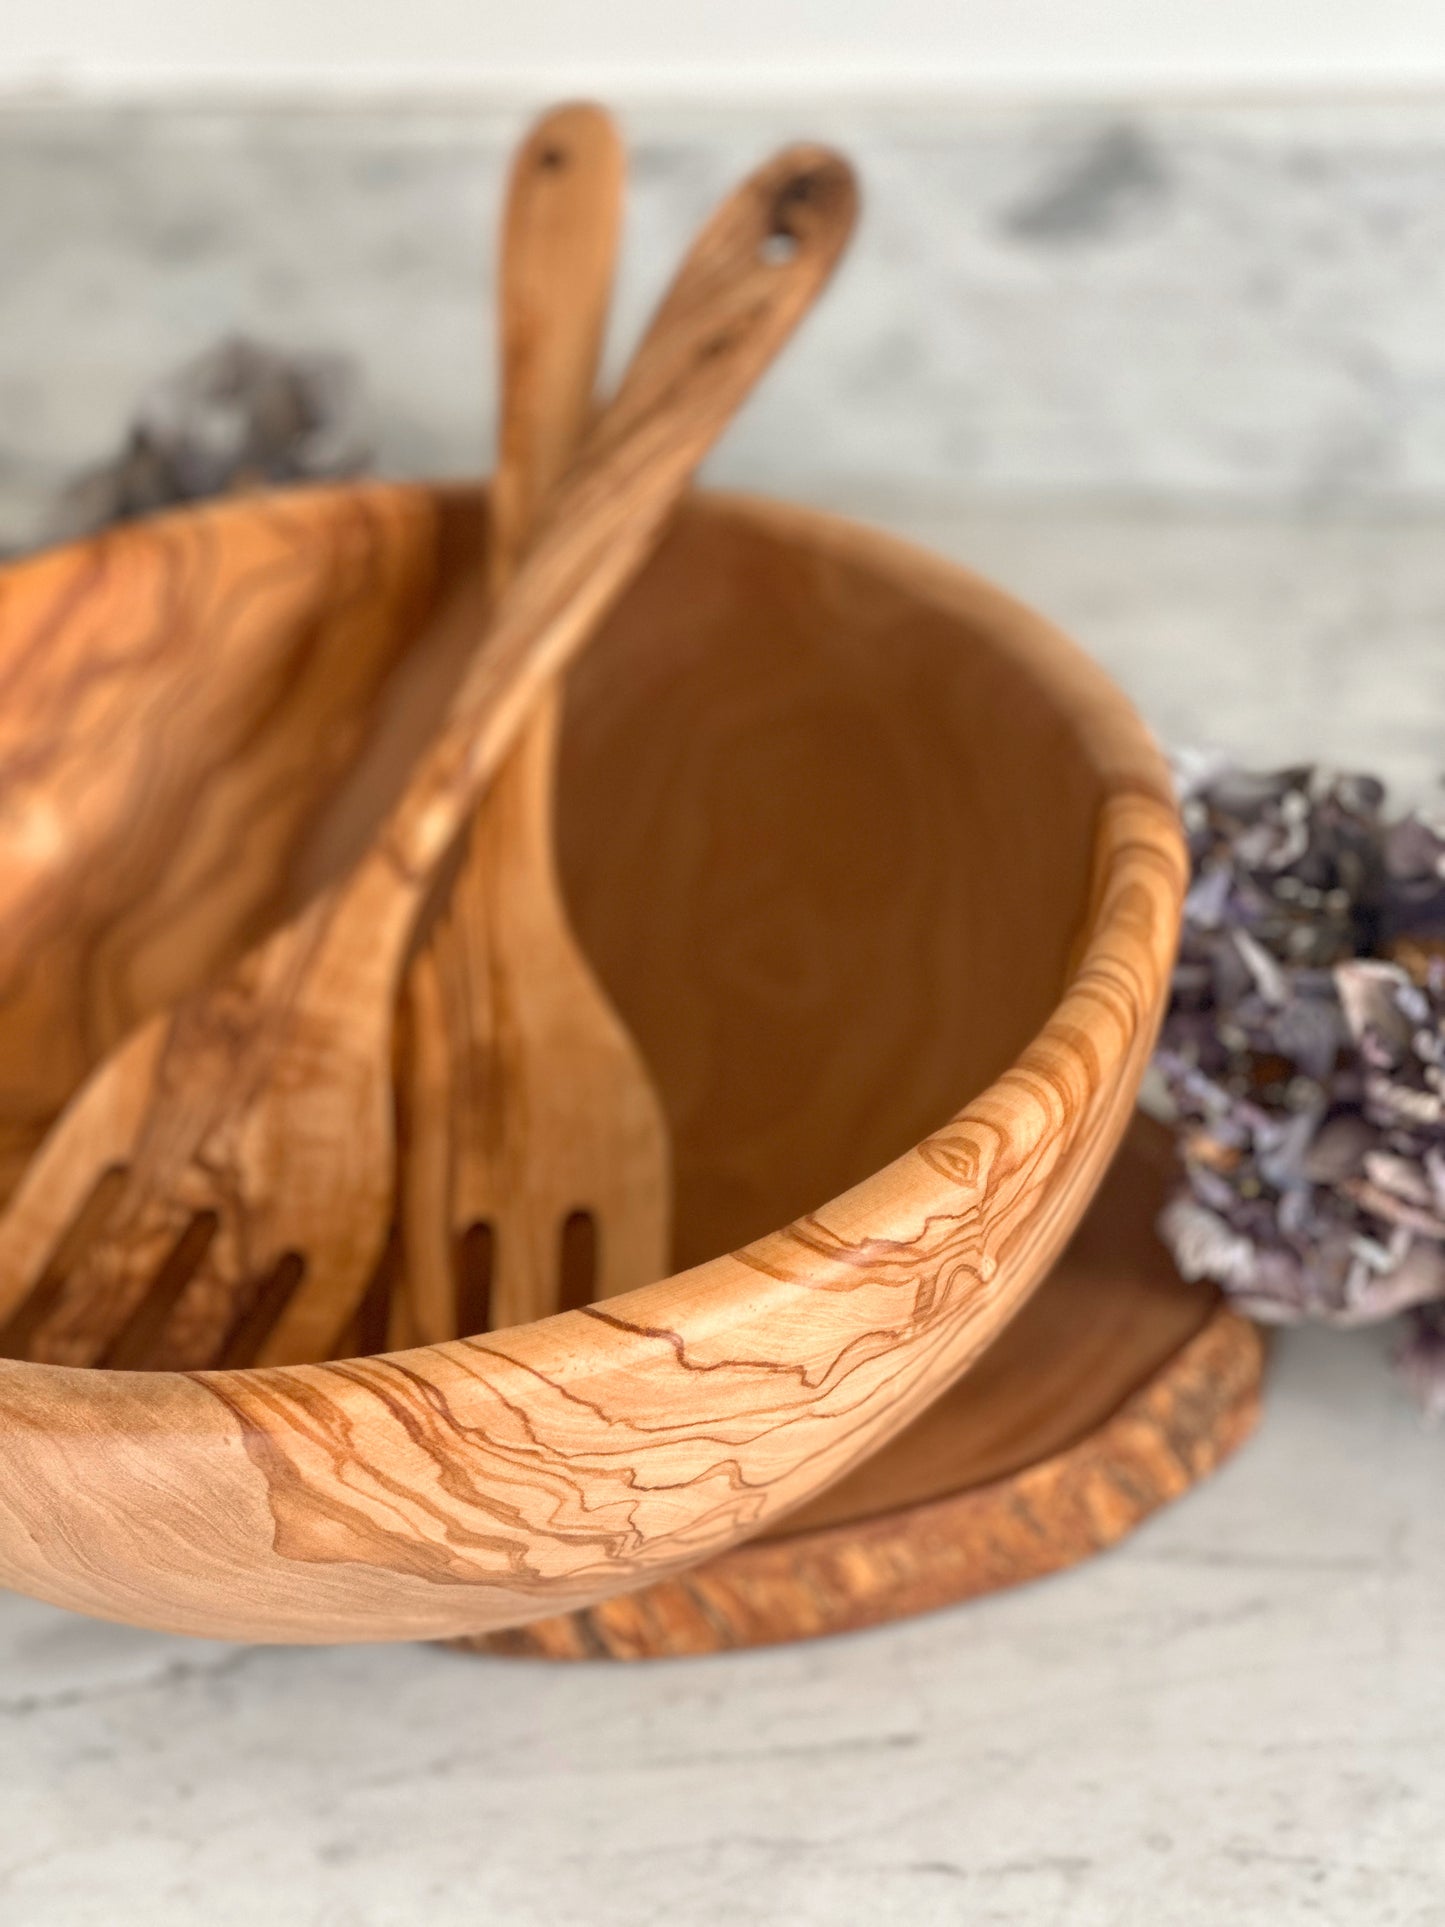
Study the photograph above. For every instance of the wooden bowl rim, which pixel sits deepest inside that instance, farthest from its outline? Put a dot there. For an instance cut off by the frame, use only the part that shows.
(269, 1490)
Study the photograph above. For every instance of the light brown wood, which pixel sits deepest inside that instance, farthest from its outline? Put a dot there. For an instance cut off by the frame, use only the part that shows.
(1116, 1389)
(230, 1169)
(884, 877)
(150, 812)
(530, 1120)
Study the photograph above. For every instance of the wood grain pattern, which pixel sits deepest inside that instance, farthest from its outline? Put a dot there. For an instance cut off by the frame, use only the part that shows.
(150, 812)
(956, 939)
(529, 1113)
(1116, 1389)
(893, 1565)
(252, 1127)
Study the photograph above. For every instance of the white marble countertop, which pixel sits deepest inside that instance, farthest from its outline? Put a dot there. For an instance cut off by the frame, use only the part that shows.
(1239, 1716)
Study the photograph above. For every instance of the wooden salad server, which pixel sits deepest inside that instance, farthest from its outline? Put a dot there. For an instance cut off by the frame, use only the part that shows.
(533, 1139)
(232, 1167)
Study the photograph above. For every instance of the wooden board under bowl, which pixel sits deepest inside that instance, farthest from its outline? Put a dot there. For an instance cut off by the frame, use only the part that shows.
(1116, 1389)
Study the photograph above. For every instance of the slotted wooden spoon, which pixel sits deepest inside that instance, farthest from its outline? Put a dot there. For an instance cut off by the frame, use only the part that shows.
(234, 1162)
(534, 1157)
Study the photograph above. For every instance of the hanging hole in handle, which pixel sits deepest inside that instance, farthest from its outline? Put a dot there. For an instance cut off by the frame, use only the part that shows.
(782, 242)
(778, 248)
(577, 1261)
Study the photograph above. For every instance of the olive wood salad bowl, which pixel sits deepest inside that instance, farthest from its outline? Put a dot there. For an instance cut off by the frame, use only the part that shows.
(883, 876)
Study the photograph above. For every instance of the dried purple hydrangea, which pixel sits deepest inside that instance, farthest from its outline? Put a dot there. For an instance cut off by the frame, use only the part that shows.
(242, 415)
(1303, 1070)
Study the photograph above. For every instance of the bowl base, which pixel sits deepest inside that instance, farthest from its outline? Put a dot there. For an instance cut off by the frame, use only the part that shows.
(1115, 1390)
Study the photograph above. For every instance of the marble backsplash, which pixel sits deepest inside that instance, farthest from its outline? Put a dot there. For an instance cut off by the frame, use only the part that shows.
(1238, 301)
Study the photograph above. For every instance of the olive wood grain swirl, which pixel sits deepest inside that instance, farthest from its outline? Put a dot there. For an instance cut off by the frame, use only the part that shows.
(483, 1482)
(147, 812)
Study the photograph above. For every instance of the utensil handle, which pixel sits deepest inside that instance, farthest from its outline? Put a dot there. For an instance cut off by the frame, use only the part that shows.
(751, 275)
(559, 244)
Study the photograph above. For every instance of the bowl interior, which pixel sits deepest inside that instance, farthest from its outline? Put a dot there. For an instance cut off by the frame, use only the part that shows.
(824, 833)
(829, 848)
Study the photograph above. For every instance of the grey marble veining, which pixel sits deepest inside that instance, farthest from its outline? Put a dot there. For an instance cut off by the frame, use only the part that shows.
(1239, 1716)
(1238, 300)
(1234, 316)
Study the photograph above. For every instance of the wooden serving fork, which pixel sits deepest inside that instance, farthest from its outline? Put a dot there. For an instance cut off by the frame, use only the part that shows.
(534, 1155)
(233, 1163)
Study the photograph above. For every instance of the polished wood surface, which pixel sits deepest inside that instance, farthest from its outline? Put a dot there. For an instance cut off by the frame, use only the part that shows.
(152, 813)
(534, 1153)
(1116, 1389)
(226, 1178)
(884, 877)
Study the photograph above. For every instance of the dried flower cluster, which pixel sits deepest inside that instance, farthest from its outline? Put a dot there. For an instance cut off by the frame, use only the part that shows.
(1303, 1058)
(240, 416)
